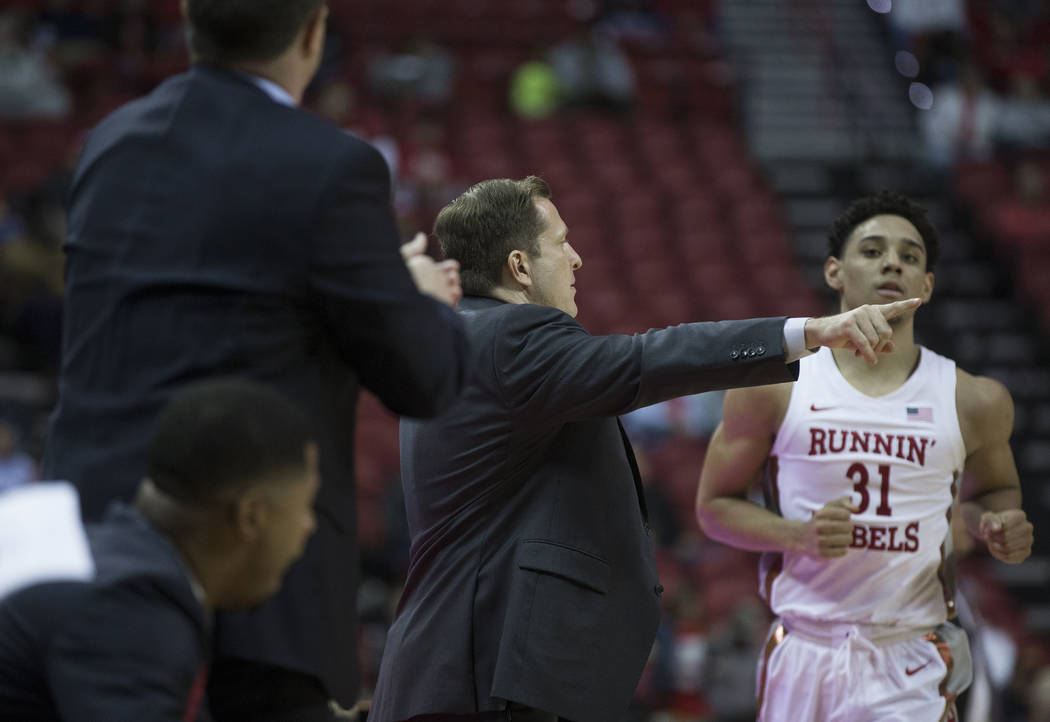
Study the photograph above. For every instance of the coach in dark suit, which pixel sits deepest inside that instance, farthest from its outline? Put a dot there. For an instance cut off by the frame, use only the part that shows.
(532, 591)
(216, 228)
(226, 507)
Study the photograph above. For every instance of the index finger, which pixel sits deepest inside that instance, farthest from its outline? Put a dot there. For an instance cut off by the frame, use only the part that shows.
(892, 310)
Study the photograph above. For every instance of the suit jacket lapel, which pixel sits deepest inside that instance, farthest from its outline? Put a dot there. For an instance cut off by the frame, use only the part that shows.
(634, 470)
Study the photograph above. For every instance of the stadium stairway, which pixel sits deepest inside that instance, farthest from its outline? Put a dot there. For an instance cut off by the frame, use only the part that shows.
(814, 80)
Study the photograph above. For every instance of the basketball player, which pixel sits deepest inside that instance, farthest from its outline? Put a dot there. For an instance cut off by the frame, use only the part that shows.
(862, 463)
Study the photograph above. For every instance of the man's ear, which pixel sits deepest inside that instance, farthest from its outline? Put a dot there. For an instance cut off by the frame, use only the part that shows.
(248, 516)
(314, 32)
(927, 287)
(833, 273)
(520, 270)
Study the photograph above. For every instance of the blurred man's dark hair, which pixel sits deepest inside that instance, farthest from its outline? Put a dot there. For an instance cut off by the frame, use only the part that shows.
(220, 436)
(223, 32)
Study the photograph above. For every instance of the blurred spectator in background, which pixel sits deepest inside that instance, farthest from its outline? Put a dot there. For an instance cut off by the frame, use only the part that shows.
(655, 690)
(424, 72)
(534, 90)
(337, 101)
(133, 36)
(688, 648)
(929, 29)
(693, 417)
(593, 72)
(1022, 218)
(428, 179)
(71, 32)
(12, 227)
(917, 18)
(16, 466)
(421, 167)
(1011, 36)
(31, 287)
(1024, 116)
(29, 86)
(635, 20)
(1026, 698)
(729, 665)
(663, 513)
(963, 121)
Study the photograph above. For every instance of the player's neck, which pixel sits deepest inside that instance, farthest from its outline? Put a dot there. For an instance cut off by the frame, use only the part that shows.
(892, 370)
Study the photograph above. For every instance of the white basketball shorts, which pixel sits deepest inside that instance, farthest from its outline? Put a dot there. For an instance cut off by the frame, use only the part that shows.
(827, 672)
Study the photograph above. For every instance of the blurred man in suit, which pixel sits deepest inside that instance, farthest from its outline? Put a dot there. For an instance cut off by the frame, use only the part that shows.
(227, 505)
(532, 591)
(216, 228)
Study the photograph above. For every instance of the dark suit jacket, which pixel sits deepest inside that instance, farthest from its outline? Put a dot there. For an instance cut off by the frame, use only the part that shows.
(215, 231)
(130, 645)
(532, 576)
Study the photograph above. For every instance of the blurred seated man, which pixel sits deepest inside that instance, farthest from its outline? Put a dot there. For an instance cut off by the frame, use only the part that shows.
(226, 507)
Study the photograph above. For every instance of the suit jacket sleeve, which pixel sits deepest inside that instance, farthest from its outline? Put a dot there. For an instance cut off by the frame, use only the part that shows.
(551, 368)
(407, 348)
(126, 654)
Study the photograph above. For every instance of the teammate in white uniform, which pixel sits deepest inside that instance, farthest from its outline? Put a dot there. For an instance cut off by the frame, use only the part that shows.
(861, 464)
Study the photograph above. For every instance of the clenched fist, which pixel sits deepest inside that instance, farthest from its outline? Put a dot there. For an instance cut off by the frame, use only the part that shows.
(829, 533)
(1008, 534)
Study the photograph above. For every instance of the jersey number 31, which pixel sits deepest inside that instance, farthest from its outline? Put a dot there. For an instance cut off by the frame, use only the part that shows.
(858, 473)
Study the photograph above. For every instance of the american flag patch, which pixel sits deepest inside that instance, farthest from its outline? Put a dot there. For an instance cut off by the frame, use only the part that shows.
(920, 413)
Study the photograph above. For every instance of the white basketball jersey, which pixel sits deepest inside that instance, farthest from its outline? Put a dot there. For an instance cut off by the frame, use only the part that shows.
(898, 457)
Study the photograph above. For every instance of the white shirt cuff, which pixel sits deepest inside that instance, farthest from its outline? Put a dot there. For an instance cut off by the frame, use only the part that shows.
(795, 339)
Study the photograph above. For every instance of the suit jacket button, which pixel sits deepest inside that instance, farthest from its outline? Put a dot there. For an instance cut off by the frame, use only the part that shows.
(734, 354)
(648, 530)
(760, 350)
(658, 589)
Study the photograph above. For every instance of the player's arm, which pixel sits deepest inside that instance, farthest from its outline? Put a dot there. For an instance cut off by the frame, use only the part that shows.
(734, 462)
(990, 495)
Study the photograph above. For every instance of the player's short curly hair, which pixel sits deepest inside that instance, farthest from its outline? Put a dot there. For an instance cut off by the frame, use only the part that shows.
(884, 203)
(231, 31)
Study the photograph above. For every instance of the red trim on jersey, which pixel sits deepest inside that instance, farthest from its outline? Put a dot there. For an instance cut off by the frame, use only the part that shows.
(946, 654)
(196, 695)
(771, 491)
(946, 569)
(775, 638)
(771, 487)
(775, 568)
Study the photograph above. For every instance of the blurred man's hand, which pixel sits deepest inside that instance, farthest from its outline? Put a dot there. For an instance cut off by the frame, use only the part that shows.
(440, 280)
